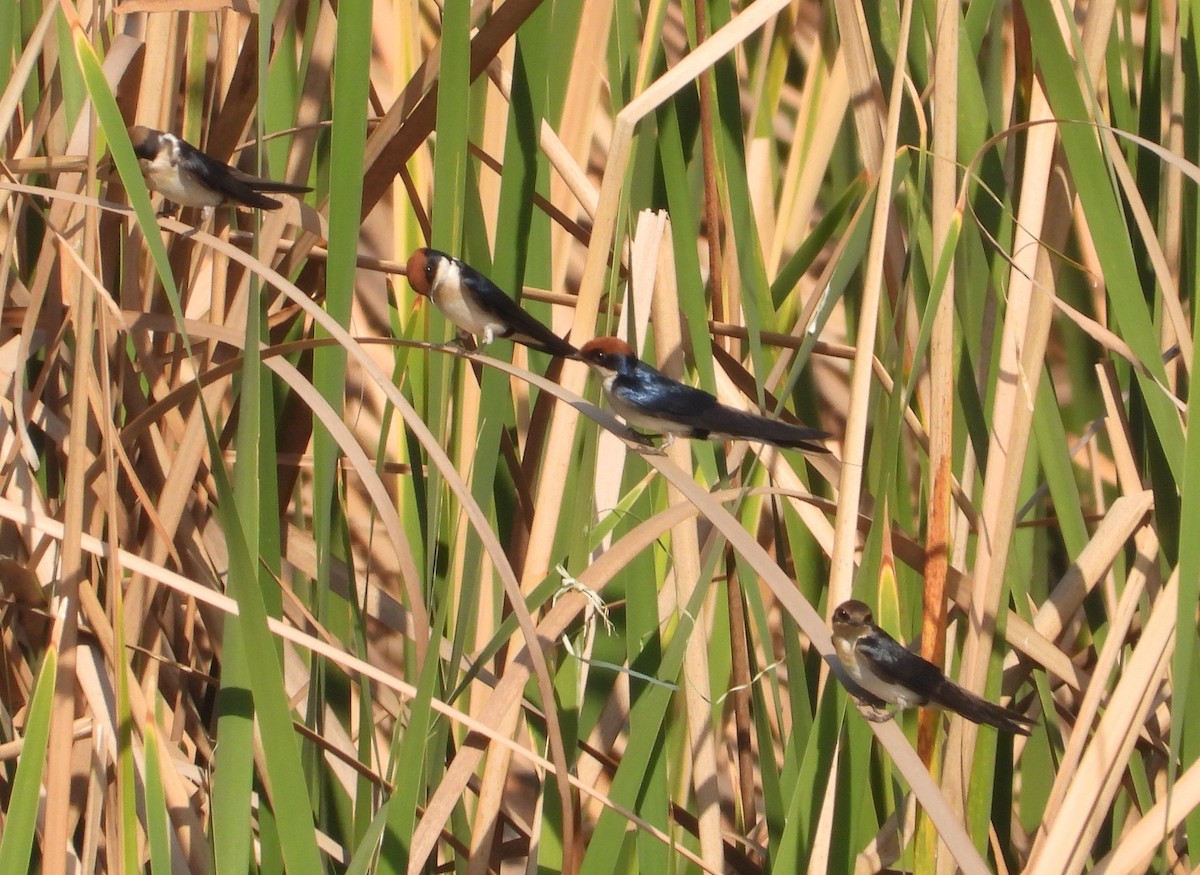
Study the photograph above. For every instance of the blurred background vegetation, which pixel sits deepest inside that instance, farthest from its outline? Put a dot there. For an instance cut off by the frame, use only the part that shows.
(289, 587)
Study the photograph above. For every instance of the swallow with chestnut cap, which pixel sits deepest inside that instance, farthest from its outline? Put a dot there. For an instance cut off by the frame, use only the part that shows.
(476, 305)
(879, 664)
(653, 402)
(184, 175)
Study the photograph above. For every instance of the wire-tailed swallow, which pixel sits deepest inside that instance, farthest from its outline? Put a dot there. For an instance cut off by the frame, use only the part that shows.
(184, 175)
(475, 304)
(649, 400)
(887, 670)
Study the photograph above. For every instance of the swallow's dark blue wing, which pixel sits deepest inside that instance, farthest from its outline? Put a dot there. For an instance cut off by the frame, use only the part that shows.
(237, 185)
(895, 664)
(522, 327)
(218, 176)
(659, 396)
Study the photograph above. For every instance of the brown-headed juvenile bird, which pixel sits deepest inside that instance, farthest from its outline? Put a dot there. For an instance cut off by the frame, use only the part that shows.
(184, 175)
(649, 400)
(885, 669)
(476, 305)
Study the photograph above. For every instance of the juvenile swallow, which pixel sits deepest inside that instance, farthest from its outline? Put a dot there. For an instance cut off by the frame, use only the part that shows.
(649, 400)
(474, 303)
(885, 669)
(184, 175)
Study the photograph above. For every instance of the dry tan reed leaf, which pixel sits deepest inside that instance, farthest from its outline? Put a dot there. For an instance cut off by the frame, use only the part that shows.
(333, 419)
(1143, 570)
(75, 570)
(350, 446)
(889, 843)
(823, 103)
(1123, 519)
(1045, 206)
(1064, 843)
(1169, 295)
(685, 543)
(577, 130)
(10, 100)
(1117, 426)
(188, 829)
(1135, 852)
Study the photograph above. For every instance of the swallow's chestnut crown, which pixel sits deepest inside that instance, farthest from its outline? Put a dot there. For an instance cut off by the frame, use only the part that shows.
(605, 350)
(421, 269)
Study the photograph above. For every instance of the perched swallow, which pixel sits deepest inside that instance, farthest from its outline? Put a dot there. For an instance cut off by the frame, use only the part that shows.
(183, 174)
(885, 669)
(474, 303)
(648, 400)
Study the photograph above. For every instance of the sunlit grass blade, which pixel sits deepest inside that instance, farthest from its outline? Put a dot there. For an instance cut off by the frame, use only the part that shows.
(157, 822)
(20, 824)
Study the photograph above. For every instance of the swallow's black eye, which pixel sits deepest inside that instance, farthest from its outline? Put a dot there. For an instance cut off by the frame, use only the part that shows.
(840, 615)
(430, 271)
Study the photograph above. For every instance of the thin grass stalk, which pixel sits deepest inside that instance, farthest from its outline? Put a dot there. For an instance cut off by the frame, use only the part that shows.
(942, 395)
(1022, 347)
(66, 594)
(712, 205)
(685, 552)
(740, 681)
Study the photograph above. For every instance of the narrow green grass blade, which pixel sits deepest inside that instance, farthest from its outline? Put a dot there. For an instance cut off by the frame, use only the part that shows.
(16, 843)
(281, 753)
(650, 723)
(351, 100)
(158, 824)
(798, 831)
(408, 772)
(9, 29)
(233, 762)
(1052, 444)
(1184, 744)
(453, 116)
(74, 90)
(368, 846)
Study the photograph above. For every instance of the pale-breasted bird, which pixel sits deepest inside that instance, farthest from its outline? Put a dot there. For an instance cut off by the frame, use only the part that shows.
(889, 671)
(476, 305)
(649, 400)
(184, 175)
